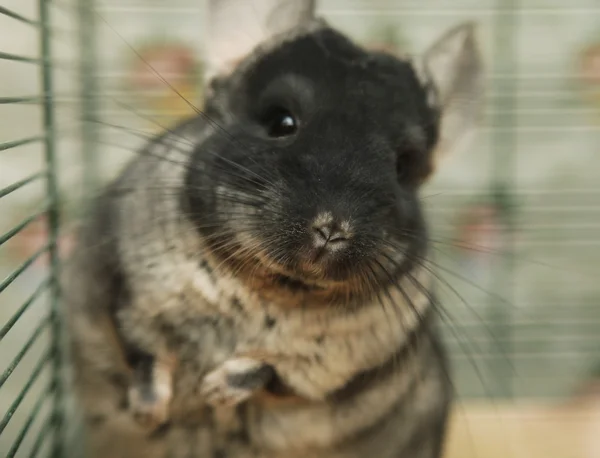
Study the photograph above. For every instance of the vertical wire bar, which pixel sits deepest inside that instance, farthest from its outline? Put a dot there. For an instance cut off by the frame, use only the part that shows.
(90, 138)
(89, 94)
(53, 222)
(503, 172)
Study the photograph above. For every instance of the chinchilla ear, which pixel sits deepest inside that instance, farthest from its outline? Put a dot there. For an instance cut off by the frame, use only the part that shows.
(452, 70)
(235, 27)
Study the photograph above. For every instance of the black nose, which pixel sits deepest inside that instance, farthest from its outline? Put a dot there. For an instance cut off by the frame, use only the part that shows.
(329, 234)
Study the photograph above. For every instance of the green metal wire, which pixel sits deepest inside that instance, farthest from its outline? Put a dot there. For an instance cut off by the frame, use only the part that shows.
(46, 428)
(41, 327)
(89, 94)
(37, 407)
(19, 184)
(42, 363)
(19, 313)
(15, 100)
(23, 267)
(18, 58)
(49, 287)
(9, 145)
(23, 224)
(53, 222)
(6, 12)
(503, 174)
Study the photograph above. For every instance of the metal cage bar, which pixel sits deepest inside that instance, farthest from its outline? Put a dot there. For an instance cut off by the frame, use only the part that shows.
(504, 146)
(88, 71)
(25, 141)
(53, 223)
(7, 12)
(49, 360)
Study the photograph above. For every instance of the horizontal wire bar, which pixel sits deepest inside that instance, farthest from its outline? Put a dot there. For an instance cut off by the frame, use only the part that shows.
(15, 100)
(11, 322)
(17, 359)
(56, 65)
(416, 11)
(398, 11)
(14, 275)
(19, 58)
(467, 325)
(548, 111)
(41, 364)
(528, 355)
(47, 426)
(19, 184)
(30, 419)
(6, 12)
(527, 342)
(63, 98)
(25, 141)
(57, 97)
(22, 225)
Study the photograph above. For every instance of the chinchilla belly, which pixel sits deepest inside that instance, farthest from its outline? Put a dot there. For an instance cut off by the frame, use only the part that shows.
(398, 412)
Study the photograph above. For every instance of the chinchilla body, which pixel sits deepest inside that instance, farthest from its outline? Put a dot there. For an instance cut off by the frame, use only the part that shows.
(257, 278)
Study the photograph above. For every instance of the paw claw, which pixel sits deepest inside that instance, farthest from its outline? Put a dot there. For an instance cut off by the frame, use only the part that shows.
(233, 382)
(218, 392)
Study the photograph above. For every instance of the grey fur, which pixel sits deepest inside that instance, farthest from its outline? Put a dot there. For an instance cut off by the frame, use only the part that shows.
(371, 381)
(169, 301)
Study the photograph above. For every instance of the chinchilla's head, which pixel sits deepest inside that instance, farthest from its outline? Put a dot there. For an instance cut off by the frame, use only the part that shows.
(318, 146)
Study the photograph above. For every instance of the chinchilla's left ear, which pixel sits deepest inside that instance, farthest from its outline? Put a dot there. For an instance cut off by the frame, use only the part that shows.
(235, 27)
(452, 70)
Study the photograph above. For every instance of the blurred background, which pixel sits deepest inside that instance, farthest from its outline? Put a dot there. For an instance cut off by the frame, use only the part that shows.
(515, 218)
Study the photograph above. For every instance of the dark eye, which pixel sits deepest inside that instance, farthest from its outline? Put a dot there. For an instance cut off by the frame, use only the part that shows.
(279, 122)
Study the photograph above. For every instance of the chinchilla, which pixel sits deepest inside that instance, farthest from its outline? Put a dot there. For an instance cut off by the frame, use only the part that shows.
(256, 282)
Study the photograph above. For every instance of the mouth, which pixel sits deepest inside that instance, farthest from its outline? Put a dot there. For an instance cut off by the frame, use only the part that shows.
(312, 274)
(261, 267)
(301, 276)
(312, 271)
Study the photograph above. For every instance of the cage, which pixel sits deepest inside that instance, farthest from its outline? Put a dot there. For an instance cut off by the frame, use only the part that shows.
(515, 218)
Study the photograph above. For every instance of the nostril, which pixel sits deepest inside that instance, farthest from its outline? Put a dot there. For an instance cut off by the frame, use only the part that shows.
(337, 236)
(329, 232)
(322, 232)
(329, 235)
